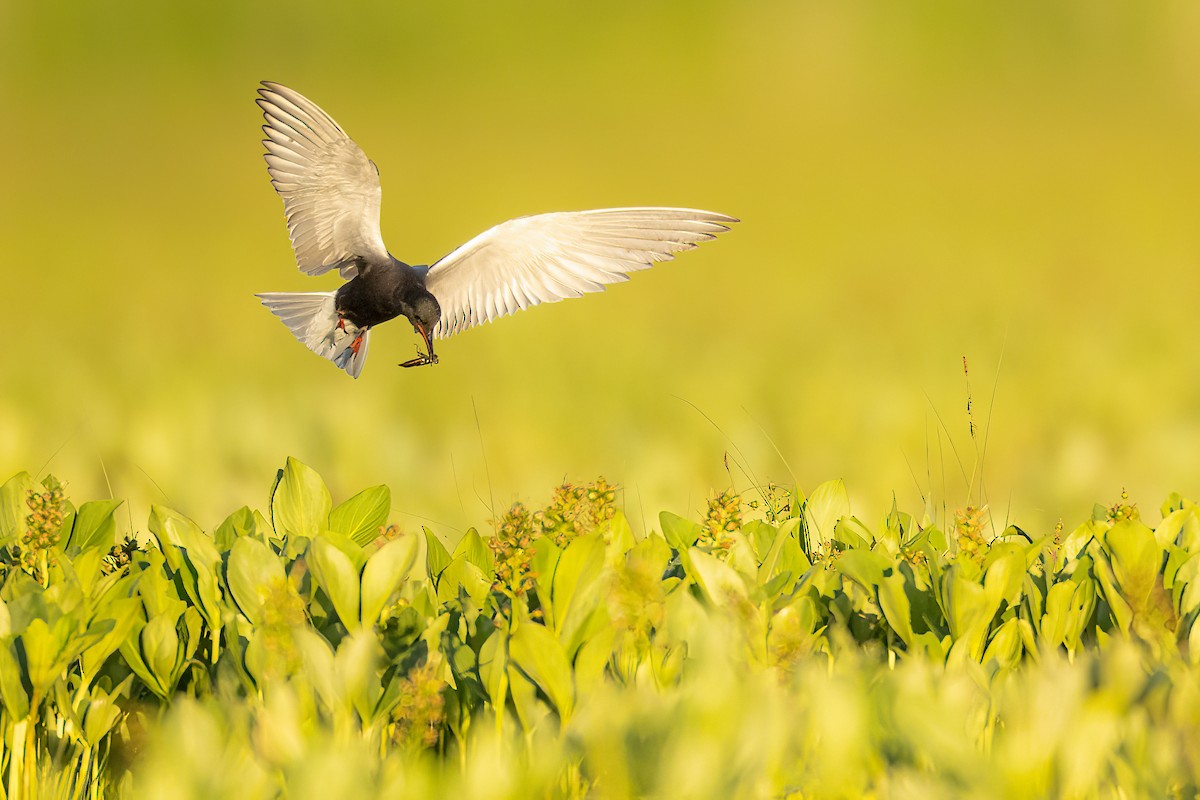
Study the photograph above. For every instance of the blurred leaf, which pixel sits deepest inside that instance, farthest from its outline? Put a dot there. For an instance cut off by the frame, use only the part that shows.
(723, 587)
(493, 669)
(827, 504)
(337, 575)
(576, 585)
(300, 504)
(252, 570)
(362, 516)
(12, 691)
(385, 571)
(13, 508)
(540, 656)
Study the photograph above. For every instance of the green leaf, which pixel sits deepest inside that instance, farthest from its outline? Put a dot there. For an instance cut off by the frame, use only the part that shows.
(864, 567)
(680, 533)
(12, 691)
(827, 504)
(461, 573)
(337, 575)
(94, 527)
(437, 557)
(576, 587)
(13, 506)
(721, 584)
(192, 554)
(238, 524)
(893, 601)
(45, 651)
(472, 546)
(361, 517)
(300, 504)
(538, 654)
(252, 570)
(161, 651)
(1005, 645)
(1136, 559)
(493, 669)
(385, 572)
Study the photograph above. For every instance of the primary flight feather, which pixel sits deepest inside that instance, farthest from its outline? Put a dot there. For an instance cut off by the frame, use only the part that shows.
(331, 196)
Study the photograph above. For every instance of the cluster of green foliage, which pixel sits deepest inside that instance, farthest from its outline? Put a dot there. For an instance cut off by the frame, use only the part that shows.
(317, 652)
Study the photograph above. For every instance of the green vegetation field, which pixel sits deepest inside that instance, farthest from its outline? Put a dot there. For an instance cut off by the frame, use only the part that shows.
(777, 647)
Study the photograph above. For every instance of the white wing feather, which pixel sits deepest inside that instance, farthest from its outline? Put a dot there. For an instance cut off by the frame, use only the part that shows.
(330, 189)
(550, 257)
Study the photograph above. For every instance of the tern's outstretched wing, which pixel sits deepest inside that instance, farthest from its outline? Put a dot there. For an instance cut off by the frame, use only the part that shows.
(549, 257)
(330, 189)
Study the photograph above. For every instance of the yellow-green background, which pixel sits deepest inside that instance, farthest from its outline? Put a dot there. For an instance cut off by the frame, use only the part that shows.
(1014, 182)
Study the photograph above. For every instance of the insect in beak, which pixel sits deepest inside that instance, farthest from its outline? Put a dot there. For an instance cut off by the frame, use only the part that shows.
(427, 357)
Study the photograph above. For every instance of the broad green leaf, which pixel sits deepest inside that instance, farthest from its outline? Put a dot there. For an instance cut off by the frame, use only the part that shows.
(827, 504)
(362, 516)
(723, 586)
(300, 504)
(100, 717)
(12, 692)
(162, 650)
(337, 575)
(191, 553)
(319, 671)
(1005, 645)
(437, 557)
(94, 526)
(1136, 559)
(618, 539)
(122, 613)
(592, 659)
(461, 573)
(493, 669)
(864, 567)
(852, 533)
(13, 506)
(386, 570)
(1006, 570)
(893, 601)
(46, 651)
(238, 524)
(472, 546)
(530, 710)
(969, 610)
(680, 533)
(575, 587)
(540, 656)
(252, 570)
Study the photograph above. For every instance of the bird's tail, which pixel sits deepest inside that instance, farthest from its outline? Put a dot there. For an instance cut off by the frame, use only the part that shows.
(313, 319)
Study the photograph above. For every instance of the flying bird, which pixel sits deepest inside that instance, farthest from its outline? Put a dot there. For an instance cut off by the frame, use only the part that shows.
(331, 196)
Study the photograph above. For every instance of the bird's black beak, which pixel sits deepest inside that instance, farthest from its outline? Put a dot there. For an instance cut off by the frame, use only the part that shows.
(428, 356)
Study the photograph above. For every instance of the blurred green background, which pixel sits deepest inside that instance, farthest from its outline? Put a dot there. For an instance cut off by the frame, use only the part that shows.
(1017, 183)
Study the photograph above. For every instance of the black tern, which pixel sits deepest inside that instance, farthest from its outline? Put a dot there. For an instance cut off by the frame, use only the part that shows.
(331, 197)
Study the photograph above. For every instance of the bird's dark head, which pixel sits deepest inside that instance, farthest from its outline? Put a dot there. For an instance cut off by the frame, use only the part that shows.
(424, 312)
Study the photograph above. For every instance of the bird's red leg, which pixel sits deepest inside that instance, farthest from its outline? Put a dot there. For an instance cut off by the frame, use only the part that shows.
(356, 345)
(341, 326)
